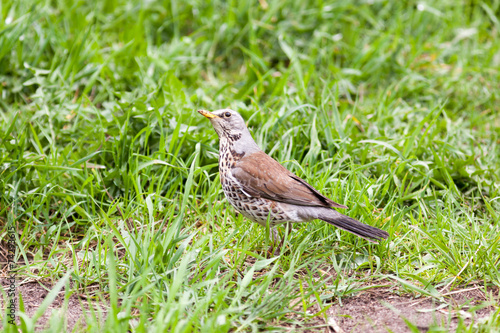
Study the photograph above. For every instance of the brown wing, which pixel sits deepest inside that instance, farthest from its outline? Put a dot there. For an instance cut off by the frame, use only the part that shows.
(262, 176)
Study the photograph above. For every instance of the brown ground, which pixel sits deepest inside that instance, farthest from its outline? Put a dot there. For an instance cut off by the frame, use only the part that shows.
(373, 310)
(33, 294)
(384, 311)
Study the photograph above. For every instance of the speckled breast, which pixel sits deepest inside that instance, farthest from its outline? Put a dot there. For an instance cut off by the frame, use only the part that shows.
(253, 208)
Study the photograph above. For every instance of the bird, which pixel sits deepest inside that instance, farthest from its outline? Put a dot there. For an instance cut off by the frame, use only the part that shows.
(264, 191)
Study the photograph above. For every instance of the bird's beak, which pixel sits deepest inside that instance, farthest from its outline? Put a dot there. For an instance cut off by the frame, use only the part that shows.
(207, 114)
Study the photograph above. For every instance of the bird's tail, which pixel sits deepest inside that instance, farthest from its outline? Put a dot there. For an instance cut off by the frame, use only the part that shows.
(347, 223)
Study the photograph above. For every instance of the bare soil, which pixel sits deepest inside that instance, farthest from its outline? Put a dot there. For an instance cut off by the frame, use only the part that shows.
(373, 310)
(379, 310)
(33, 294)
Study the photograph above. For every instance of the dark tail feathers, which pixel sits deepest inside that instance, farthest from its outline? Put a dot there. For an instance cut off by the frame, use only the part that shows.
(347, 223)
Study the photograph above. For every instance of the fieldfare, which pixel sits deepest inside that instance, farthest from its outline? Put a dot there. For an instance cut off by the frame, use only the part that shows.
(263, 190)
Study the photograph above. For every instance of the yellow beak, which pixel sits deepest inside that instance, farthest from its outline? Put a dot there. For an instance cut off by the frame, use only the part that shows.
(207, 114)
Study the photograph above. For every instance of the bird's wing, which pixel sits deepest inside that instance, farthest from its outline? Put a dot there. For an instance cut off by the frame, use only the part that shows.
(262, 176)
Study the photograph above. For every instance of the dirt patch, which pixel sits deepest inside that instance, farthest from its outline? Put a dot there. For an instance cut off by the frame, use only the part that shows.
(373, 310)
(33, 294)
(385, 311)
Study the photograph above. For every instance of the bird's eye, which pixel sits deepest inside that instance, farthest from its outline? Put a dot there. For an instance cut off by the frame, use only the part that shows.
(227, 114)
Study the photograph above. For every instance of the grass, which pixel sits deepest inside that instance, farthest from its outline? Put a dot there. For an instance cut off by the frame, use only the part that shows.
(109, 175)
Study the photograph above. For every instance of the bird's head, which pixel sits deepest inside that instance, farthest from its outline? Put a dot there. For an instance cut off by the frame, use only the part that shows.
(231, 128)
(227, 123)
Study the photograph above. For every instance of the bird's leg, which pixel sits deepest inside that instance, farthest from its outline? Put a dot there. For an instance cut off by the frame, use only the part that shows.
(275, 236)
(288, 231)
(278, 249)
